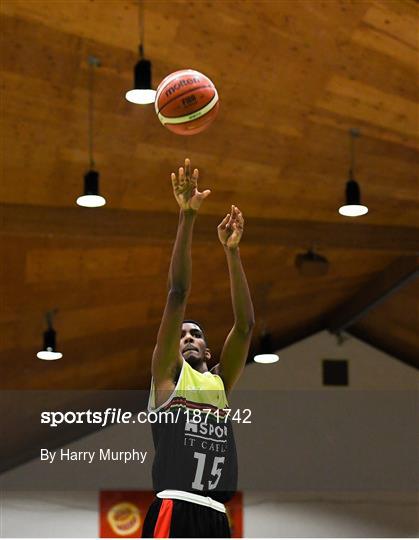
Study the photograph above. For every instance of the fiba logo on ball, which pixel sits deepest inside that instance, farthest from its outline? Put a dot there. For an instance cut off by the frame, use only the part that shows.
(186, 102)
(124, 518)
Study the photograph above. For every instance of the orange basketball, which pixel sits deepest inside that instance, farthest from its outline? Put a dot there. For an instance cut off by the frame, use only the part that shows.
(186, 102)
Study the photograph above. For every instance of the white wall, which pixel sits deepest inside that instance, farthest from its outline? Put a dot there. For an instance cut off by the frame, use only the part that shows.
(332, 515)
(47, 514)
(298, 513)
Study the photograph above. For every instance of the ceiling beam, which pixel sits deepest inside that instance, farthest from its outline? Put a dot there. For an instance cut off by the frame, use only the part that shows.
(135, 226)
(399, 351)
(391, 279)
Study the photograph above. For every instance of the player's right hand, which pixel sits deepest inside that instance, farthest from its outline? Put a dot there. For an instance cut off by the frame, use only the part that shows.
(230, 230)
(185, 188)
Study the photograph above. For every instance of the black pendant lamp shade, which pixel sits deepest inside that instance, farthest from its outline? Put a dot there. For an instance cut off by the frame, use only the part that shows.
(353, 194)
(142, 74)
(50, 339)
(91, 197)
(353, 206)
(49, 351)
(142, 93)
(91, 183)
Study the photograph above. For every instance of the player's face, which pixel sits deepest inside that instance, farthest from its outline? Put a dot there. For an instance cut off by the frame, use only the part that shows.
(192, 344)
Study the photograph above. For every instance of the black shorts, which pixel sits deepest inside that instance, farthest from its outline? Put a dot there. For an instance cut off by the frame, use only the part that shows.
(173, 518)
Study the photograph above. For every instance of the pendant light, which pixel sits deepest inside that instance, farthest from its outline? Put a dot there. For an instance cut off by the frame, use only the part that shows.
(142, 93)
(49, 351)
(91, 197)
(266, 353)
(353, 206)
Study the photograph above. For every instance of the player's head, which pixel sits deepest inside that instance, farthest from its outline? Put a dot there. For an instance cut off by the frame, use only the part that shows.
(193, 345)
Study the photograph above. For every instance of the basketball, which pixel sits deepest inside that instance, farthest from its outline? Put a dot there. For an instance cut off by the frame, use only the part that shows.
(186, 102)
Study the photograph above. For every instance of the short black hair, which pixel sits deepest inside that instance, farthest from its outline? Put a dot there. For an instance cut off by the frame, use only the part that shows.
(199, 326)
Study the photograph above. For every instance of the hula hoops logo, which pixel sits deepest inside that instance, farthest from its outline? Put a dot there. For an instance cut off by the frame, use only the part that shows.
(124, 518)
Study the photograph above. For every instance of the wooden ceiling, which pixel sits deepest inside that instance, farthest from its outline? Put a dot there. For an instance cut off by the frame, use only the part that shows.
(293, 78)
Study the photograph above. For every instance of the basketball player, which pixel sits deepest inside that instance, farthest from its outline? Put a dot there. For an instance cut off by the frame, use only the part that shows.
(195, 465)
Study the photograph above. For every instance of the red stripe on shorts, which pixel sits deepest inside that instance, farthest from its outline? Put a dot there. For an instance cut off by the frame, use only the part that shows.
(162, 528)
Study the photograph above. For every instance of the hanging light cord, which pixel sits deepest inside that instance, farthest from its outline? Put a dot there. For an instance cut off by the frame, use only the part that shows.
(49, 315)
(354, 133)
(141, 26)
(93, 62)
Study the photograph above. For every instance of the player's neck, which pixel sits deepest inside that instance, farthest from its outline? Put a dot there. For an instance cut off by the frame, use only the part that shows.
(200, 366)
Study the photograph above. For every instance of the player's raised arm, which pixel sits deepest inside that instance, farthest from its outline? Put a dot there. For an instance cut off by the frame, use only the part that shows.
(166, 356)
(236, 347)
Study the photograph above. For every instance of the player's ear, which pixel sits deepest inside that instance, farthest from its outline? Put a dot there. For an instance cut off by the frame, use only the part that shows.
(207, 354)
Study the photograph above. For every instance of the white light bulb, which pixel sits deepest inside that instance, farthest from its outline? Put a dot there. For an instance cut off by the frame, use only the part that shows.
(353, 210)
(91, 201)
(266, 358)
(141, 97)
(49, 355)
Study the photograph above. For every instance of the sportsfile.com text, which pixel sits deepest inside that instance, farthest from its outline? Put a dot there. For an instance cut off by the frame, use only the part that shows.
(118, 416)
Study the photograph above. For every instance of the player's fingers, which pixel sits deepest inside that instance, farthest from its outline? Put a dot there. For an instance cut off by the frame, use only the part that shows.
(174, 180)
(224, 222)
(206, 193)
(194, 177)
(237, 231)
(187, 168)
(181, 175)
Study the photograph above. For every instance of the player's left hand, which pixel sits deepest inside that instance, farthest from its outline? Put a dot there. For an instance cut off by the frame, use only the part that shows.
(185, 188)
(230, 230)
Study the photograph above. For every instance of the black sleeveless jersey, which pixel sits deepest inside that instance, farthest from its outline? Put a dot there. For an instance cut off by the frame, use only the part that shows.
(193, 437)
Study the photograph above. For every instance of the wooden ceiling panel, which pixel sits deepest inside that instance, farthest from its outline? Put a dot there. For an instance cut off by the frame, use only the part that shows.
(80, 265)
(370, 104)
(388, 18)
(113, 23)
(393, 324)
(390, 46)
(399, 312)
